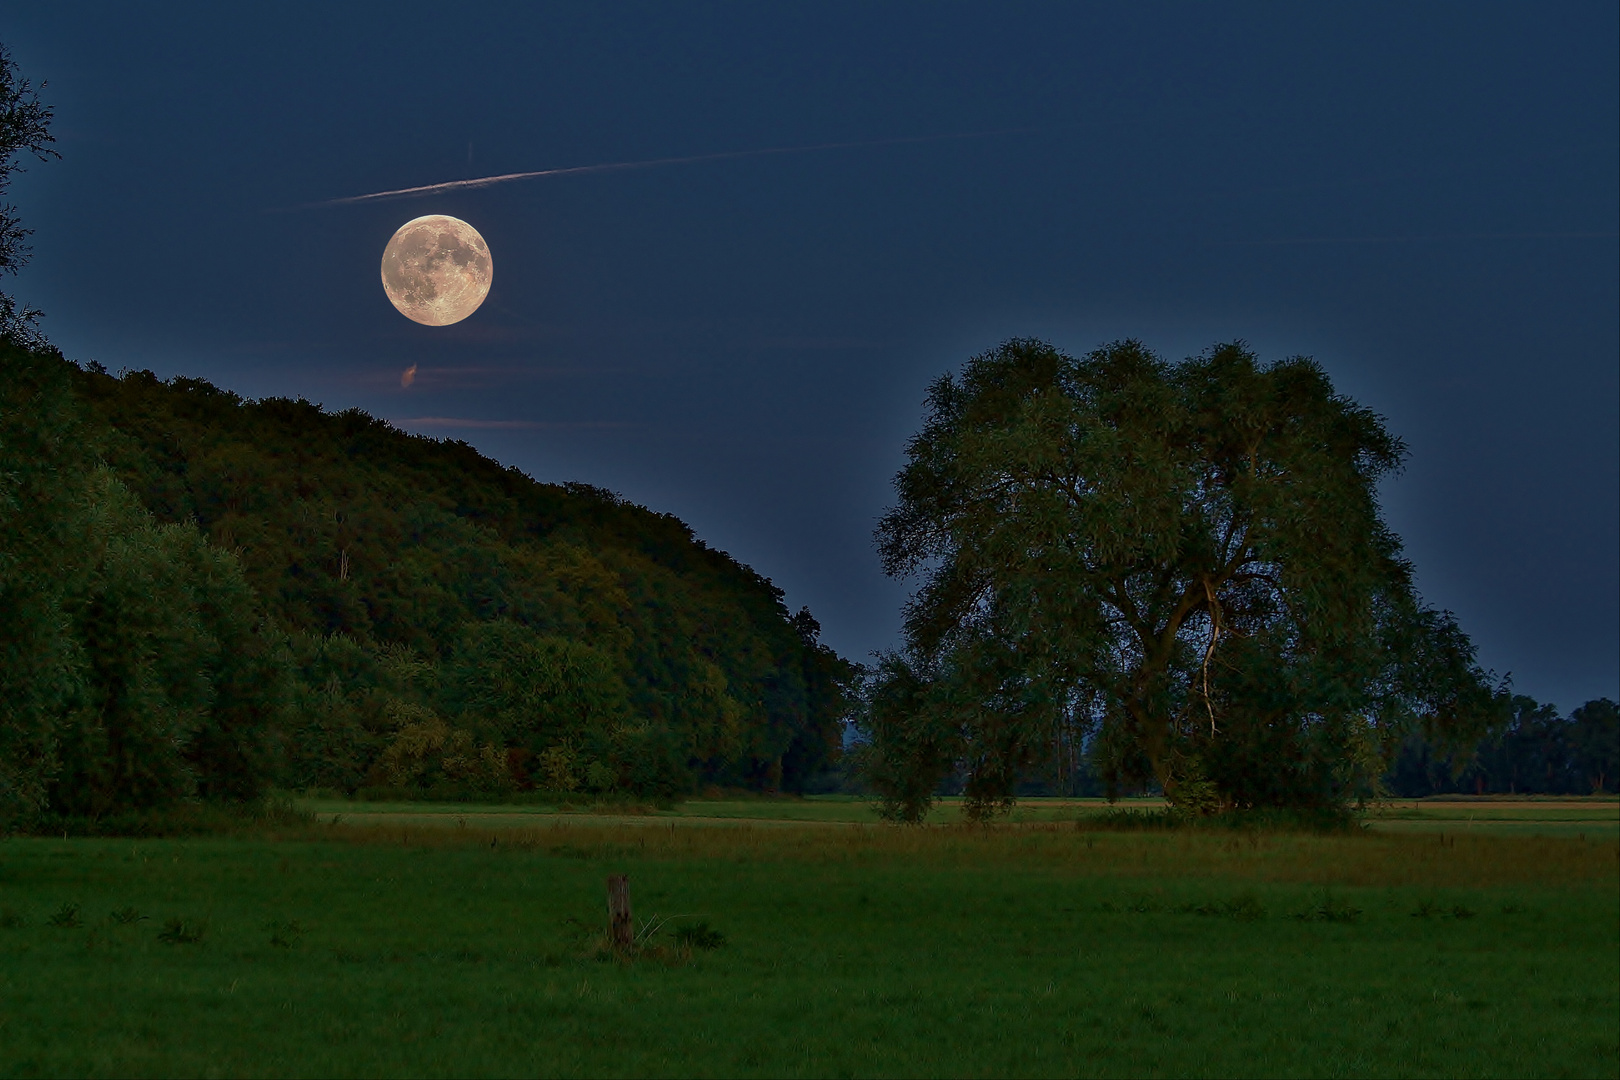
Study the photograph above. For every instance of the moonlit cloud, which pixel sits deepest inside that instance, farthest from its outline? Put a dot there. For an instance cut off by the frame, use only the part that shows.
(407, 377)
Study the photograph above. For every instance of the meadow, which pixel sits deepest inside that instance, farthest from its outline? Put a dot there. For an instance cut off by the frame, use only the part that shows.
(797, 937)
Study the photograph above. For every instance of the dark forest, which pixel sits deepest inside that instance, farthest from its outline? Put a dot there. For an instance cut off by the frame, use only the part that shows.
(212, 596)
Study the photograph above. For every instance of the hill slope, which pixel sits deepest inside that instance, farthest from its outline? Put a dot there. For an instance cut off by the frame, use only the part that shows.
(446, 622)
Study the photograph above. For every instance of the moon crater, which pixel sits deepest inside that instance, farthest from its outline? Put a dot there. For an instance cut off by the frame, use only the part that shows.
(437, 270)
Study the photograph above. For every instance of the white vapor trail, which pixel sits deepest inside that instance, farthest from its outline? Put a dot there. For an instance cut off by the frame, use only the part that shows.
(617, 166)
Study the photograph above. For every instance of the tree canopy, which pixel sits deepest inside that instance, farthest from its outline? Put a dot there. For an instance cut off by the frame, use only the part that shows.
(1179, 570)
(208, 595)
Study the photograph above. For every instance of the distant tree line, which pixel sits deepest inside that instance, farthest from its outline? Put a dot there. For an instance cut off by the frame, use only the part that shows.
(1532, 751)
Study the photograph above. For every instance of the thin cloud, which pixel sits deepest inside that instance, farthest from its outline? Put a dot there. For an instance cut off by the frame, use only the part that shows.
(477, 377)
(620, 166)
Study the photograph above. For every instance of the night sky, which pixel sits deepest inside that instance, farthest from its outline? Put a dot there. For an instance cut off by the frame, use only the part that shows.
(1422, 197)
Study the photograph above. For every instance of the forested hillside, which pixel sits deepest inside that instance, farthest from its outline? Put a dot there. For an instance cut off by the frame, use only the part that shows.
(416, 617)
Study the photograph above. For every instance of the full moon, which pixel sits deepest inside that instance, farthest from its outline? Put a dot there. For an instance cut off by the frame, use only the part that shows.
(436, 270)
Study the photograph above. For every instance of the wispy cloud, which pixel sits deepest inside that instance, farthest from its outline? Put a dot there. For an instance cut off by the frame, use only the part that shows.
(467, 378)
(650, 163)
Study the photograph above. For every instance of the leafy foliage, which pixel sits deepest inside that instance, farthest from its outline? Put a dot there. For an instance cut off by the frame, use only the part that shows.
(539, 614)
(1180, 570)
(209, 595)
(181, 685)
(43, 470)
(699, 935)
(139, 668)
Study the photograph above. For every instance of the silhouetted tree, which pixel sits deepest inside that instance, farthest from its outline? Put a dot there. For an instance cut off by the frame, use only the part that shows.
(25, 127)
(1181, 565)
(1596, 744)
(830, 700)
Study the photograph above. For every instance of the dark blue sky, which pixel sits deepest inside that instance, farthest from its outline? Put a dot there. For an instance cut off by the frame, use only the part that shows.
(1423, 197)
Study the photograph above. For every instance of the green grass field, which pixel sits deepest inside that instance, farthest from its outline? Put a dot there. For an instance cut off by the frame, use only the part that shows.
(463, 940)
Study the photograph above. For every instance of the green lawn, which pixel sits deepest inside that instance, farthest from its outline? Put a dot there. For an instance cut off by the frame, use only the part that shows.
(380, 946)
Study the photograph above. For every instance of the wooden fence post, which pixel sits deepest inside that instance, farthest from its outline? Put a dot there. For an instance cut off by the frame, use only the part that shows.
(620, 924)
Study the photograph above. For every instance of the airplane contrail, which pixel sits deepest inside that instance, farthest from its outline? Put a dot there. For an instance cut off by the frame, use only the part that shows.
(615, 166)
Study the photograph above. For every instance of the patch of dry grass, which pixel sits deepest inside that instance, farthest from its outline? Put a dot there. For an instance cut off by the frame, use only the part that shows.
(1364, 859)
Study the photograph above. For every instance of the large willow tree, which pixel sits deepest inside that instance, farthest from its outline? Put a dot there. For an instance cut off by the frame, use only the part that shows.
(1178, 569)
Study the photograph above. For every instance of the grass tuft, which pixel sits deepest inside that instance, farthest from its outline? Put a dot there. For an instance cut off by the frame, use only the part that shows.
(66, 917)
(125, 916)
(1245, 907)
(1330, 909)
(699, 935)
(177, 931)
(1429, 908)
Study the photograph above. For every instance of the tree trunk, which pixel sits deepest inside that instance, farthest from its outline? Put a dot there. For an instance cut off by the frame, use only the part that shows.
(1155, 741)
(620, 925)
